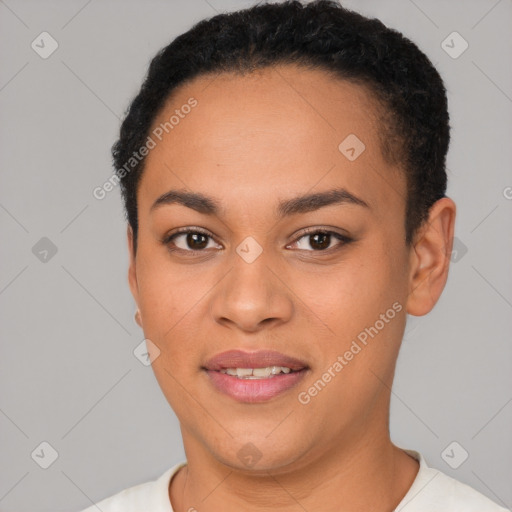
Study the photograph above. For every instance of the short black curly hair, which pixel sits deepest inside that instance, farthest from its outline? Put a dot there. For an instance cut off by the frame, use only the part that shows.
(318, 35)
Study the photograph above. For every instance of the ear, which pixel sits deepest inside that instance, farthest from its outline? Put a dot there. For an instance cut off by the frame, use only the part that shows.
(430, 258)
(132, 271)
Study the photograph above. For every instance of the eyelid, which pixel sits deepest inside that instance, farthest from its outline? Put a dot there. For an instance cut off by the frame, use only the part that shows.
(319, 229)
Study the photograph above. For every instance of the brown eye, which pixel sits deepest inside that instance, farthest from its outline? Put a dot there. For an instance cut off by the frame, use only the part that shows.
(189, 240)
(320, 240)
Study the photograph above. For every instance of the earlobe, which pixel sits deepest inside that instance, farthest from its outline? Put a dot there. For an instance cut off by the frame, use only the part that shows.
(138, 318)
(430, 258)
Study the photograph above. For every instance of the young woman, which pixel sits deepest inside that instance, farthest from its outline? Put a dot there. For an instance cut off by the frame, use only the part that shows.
(283, 172)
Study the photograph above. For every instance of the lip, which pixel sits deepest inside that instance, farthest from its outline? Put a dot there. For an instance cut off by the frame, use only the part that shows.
(258, 359)
(254, 390)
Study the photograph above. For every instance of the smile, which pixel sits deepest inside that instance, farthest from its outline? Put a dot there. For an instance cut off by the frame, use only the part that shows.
(256, 373)
(254, 377)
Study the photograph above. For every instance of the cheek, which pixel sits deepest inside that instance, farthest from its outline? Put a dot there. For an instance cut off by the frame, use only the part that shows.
(351, 294)
(348, 304)
(164, 292)
(159, 304)
(166, 306)
(366, 318)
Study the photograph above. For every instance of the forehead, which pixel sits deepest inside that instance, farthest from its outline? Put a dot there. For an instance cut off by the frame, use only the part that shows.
(277, 129)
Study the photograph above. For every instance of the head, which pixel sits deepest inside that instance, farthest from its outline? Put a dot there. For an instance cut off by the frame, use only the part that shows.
(303, 148)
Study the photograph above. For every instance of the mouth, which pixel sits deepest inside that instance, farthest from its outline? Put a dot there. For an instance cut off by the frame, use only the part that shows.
(253, 377)
(257, 373)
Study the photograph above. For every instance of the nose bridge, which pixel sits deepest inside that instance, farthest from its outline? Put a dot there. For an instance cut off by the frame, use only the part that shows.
(251, 294)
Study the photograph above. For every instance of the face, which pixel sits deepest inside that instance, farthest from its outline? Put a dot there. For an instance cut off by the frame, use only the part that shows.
(318, 286)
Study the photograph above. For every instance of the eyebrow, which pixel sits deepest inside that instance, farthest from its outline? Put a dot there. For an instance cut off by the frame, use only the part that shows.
(302, 204)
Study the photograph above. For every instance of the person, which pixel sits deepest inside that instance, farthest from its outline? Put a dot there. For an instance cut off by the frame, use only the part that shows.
(283, 175)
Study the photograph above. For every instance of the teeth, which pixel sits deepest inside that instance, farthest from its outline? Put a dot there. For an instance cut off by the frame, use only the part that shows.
(262, 372)
(256, 373)
(243, 372)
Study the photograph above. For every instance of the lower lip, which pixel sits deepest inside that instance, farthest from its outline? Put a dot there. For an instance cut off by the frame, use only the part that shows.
(254, 390)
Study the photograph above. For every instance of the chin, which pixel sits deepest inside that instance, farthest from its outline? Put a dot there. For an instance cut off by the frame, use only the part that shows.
(259, 455)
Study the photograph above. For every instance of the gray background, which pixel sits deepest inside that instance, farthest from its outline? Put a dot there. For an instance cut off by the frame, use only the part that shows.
(68, 375)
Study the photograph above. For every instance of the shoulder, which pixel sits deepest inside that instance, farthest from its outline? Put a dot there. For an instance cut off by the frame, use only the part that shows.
(435, 491)
(152, 495)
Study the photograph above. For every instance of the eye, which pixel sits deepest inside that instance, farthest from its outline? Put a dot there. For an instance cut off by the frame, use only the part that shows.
(188, 240)
(195, 240)
(320, 240)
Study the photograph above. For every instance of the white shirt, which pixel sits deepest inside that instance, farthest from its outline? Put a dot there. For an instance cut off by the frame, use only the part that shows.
(431, 491)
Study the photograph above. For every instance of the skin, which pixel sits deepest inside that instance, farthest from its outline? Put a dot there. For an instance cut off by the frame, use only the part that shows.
(251, 141)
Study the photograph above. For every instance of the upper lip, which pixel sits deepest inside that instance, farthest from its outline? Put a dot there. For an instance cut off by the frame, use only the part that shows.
(258, 359)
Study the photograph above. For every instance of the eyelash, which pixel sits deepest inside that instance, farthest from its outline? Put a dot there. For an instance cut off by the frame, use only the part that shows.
(167, 240)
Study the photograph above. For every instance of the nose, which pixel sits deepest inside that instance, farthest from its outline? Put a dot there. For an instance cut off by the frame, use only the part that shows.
(252, 296)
